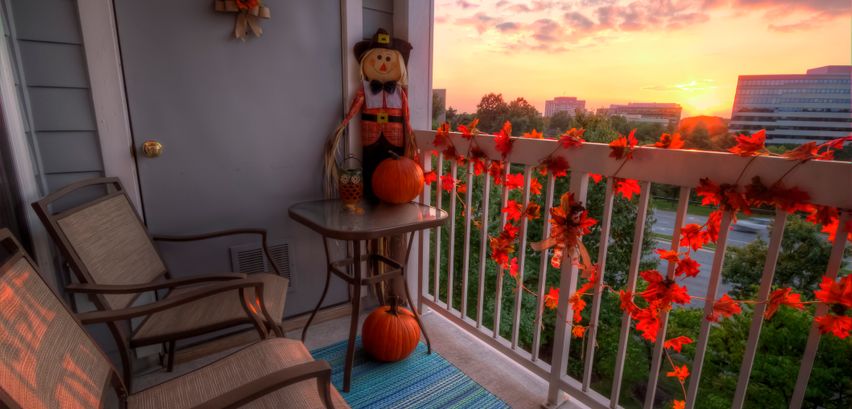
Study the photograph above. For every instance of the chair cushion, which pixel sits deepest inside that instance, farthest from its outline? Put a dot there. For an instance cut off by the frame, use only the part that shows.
(239, 368)
(210, 313)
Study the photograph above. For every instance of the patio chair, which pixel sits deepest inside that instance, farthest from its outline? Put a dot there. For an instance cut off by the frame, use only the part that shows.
(47, 359)
(115, 260)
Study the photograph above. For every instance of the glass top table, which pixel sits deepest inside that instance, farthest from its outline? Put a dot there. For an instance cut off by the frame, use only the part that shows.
(370, 222)
(332, 219)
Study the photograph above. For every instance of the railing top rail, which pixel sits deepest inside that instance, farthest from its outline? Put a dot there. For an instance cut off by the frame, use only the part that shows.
(829, 183)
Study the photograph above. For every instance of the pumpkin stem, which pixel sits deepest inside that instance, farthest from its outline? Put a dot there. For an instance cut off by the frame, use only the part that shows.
(394, 305)
(393, 154)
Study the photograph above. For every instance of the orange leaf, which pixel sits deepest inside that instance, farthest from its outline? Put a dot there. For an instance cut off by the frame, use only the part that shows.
(837, 325)
(513, 267)
(667, 141)
(835, 292)
(679, 372)
(596, 177)
(782, 296)
(514, 181)
(687, 266)
(578, 331)
(669, 255)
(676, 344)
(503, 142)
(551, 300)
(678, 404)
(468, 131)
(723, 308)
(623, 146)
(533, 134)
(572, 138)
(430, 177)
(512, 210)
(533, 211)
(750, 145)
(535, 186)
(626, 187)
(448, 183)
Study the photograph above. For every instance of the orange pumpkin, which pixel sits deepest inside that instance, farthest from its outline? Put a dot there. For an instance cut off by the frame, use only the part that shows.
(397, 180)
(390, 333)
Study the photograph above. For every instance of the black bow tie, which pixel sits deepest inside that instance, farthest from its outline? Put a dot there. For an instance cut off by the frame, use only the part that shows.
(377, 86)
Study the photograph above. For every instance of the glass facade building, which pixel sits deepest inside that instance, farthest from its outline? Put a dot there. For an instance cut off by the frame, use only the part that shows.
(795, 108)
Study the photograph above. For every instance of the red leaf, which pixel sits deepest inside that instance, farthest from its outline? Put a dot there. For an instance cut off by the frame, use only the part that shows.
(503, 142)
(430, 177)
(596, 177)
(751, 145)
(572, 138)
(661, 291)
(556, 165)
(551, 300)
(510, 230)
(578, 331)
(448, 183)
(835, 292)
(496, 170)
(623, 146)
(709, 192)
(724, 308)
(782, 296)
(676, 344)
(803, 152)
(442, 136)
(535, 186)
(469, 131)
(626, 187)
(691, 235)
(678, 404)
(688, 267)
(627, 304)
(512, 210)
(513, 268)
(514, 181)
(533, 211)
(648, 323)
(679, 372)
(837, 325)
(667, 141)
(669, 255)
(461, 188)
(791, 199)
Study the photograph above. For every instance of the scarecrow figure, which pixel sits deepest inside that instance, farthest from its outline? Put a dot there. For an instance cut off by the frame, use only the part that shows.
(383, 105)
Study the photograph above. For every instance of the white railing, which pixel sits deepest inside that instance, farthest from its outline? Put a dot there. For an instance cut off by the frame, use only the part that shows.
(828, 183)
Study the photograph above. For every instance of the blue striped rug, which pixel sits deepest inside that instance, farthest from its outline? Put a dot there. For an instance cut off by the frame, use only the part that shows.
(419, 381)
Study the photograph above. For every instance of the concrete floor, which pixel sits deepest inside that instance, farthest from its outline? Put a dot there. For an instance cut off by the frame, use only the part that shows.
(511, 382)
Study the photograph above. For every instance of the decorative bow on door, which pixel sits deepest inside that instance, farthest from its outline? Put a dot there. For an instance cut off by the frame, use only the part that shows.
(248, 13)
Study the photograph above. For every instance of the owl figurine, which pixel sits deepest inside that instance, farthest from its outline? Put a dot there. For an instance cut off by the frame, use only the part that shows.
(350, 186)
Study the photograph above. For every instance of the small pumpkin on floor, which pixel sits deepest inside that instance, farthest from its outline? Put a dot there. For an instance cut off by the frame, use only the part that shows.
(390, 333)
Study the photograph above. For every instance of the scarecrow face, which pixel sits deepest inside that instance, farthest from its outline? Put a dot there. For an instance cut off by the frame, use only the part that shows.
(382, 64)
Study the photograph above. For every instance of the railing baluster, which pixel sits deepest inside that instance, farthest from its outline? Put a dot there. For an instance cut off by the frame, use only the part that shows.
(522, 255)
(834, 263)
(483, 247)
(759, 308)
(423, 239)
(498, 301)
(635, 259)
(451, 242)
(579, 184)
(592, 334)
(542, 267)
(710, 299)
(438, 199)
(466, 257)
(657, 357)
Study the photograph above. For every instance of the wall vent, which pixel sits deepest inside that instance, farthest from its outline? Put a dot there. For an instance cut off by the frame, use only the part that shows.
(249, 259)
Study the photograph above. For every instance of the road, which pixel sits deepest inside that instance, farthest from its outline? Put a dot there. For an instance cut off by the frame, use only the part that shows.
(697, 286)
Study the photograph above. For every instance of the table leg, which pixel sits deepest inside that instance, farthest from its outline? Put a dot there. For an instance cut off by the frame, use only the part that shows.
(411, 303)
(324, 290)
(353, 322)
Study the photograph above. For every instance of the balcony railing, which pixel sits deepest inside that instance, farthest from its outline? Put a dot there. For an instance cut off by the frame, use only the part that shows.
(827, 182)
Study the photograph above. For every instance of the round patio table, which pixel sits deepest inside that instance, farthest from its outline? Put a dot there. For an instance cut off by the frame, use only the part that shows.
(333, 220)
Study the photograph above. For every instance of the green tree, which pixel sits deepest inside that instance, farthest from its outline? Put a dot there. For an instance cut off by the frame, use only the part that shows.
(801, 264)
(699, 138)
(524, 117)
(558, 123)
(492, 112)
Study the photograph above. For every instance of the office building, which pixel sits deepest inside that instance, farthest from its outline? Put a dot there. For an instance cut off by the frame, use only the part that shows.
(571, 105)
(667, 114)
(795, 108)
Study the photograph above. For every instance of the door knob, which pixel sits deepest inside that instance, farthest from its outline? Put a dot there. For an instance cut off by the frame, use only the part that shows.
(152, 149)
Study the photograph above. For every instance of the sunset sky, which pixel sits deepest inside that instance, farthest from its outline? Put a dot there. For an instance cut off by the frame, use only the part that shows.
(615, 51)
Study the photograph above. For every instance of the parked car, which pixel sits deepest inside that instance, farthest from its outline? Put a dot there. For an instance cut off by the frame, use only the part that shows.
(753, 225)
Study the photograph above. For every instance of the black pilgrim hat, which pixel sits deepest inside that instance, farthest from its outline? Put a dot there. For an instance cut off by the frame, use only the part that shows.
(383, 40)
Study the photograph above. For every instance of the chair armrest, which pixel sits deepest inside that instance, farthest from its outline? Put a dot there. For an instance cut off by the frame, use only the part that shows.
(222, 233)
(205, 236)
(153, 286)
(274, 381)
(170, 302)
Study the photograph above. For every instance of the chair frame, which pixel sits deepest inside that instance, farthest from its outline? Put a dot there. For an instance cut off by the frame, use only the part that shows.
(96, 292)
(246, 393)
